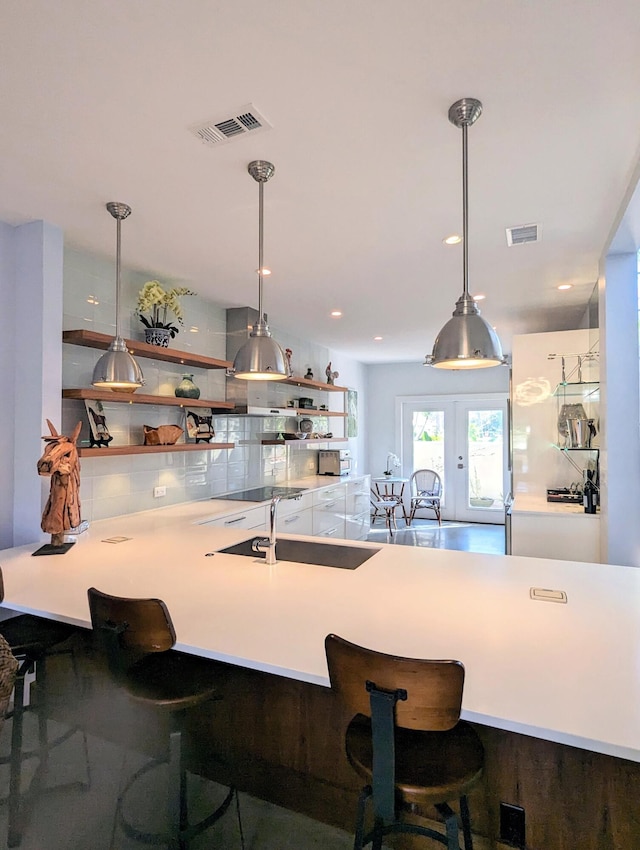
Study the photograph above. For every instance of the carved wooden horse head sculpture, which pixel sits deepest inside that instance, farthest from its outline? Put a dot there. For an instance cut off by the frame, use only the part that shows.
(60, 460)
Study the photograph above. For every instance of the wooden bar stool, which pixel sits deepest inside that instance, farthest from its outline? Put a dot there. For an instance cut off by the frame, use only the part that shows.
(137, 636)
(33, 640)
(406, 740)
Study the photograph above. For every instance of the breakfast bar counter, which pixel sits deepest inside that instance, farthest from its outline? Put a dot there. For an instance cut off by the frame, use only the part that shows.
(530, 665)
(565, 673)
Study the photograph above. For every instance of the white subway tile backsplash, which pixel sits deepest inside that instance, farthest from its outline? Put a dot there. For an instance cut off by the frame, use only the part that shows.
(116, 485)
(110, 486)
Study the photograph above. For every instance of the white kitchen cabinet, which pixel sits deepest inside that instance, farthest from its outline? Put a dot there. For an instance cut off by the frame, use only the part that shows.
(329, 506)
(252, 518)
(298, 522)
(357, 519)
(572, 536)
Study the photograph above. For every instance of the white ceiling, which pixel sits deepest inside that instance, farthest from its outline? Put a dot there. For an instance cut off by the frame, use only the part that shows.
(97, 98)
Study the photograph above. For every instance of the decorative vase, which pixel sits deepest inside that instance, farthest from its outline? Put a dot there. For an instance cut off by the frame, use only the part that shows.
(186, 388)
(157, 336)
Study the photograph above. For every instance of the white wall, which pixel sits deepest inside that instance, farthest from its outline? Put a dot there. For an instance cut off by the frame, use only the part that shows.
(537, 463)
(31, 325)
(620, 457)
(387, 382)
(7, 383)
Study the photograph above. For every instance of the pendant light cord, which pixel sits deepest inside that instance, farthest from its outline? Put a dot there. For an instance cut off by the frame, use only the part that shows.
(465, 215)
(118, 223)
(260, 245)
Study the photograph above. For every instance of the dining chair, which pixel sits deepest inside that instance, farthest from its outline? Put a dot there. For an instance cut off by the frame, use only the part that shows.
(426, 492)
(406, 740)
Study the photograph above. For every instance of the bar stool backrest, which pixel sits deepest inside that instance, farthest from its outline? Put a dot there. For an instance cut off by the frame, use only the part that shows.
(130, 628)
(433, 688)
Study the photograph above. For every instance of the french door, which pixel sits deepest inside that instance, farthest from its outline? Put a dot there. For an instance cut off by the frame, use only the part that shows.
(465, 441)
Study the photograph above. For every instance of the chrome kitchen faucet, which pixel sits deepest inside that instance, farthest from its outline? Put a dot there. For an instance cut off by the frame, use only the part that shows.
(268, 544)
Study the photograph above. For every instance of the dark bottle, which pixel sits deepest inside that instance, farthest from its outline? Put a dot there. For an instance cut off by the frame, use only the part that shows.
(589, 493)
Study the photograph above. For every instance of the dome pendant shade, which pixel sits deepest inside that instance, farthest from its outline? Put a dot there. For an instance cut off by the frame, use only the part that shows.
(467, 341)
(117, 369)
(260, 358)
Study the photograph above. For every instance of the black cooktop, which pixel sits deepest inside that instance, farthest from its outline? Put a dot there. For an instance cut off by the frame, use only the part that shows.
(261, 494)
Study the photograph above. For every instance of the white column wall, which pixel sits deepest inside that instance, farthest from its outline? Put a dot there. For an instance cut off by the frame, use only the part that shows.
(33, 364)
(620, 395)
(7, 382)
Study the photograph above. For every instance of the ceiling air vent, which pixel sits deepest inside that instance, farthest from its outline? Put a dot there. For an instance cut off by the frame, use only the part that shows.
(245, 121)
(522, 234)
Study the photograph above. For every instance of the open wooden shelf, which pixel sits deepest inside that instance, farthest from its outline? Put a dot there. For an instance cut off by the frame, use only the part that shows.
(93, 339)
(306, 412)
(313, 385)
(92, 393)
(149, 450)
(306, 442)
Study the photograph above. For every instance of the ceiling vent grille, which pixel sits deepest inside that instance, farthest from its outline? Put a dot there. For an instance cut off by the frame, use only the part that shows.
(523, 234)
(245, 121)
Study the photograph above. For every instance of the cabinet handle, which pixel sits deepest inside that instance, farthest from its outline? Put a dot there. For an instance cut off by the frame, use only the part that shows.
(329, 505)
(292, 519)
(329, 533)
(237, 519)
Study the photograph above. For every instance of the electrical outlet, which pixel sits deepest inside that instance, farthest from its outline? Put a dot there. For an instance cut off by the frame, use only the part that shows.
(158, 492)
(512, 827)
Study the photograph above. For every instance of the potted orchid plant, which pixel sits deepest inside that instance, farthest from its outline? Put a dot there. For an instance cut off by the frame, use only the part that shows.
(393, 462)
(157, 302)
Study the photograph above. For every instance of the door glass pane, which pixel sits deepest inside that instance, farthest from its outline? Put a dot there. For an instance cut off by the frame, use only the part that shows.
(485, 447)
(428, 442)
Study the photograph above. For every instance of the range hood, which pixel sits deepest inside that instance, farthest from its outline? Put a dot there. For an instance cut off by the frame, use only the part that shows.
(248, 397)
(255, 410)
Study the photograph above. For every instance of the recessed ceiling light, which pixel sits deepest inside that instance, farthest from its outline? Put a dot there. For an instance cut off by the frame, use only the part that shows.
(377, 338)
(336, 313)
(193, 329)
(565, 286)
(264, 271)
(454, 239)
(480, 297)
(92, 300)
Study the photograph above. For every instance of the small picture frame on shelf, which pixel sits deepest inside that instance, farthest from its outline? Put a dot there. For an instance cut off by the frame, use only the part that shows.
(199, 424)
(99, 436)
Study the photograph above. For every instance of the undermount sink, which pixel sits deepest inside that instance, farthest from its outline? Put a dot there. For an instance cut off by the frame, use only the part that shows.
(309, 552)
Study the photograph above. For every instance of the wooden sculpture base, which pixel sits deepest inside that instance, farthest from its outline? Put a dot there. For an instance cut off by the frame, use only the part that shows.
(48, 549)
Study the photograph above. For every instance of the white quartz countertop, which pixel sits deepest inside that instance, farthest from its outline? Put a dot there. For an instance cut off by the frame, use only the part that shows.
(564, 672)
(526, 503)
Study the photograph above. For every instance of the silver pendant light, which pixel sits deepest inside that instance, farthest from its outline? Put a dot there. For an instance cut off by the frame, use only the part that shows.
(467, 341)
(260, 358)
(117, 369)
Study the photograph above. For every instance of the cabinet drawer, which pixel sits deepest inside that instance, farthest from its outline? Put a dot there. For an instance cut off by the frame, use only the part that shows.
(357, 527)
(326, 518)
(300, 522)
(358, 503)
(293, 506)
(336, 532)
(336, 493)
(254, 517)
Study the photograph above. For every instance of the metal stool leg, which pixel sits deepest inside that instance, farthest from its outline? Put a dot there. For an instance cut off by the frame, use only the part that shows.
(14, 834)
(466, 823)
(176, 793)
